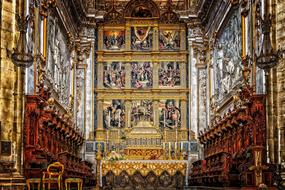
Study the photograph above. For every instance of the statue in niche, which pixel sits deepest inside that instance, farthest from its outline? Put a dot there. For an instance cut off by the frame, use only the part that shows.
(142, 12)
(114, 114)
(170, 114)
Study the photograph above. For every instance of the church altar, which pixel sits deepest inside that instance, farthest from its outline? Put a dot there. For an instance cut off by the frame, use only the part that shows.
(124, 174)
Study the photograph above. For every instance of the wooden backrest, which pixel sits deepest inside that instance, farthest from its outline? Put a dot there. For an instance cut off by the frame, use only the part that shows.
(55, 169)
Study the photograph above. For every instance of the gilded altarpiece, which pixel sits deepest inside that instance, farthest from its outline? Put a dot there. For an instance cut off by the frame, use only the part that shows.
(142, 88)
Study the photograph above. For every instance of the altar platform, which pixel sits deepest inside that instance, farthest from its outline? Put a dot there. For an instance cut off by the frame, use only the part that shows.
(144, 174)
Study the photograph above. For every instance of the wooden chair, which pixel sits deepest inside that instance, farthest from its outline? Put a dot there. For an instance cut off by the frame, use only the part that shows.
(30, 182)
(78, 181)
(53, 175)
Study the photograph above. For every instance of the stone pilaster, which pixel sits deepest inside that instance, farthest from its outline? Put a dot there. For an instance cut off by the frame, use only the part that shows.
(128, 78)
(182, 39)
(183, 74)
(128, 109)
(100, 71)
(155, 76)
(156, 113)
(128, 37)
(100, 38)
(100, 130)
(155, 39)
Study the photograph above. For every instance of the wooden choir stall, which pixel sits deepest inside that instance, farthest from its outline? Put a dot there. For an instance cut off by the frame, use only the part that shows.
(234, 147)
(49, 136)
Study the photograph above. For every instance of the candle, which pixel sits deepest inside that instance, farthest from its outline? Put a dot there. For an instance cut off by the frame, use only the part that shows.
(119, 118)
(109, 120)
(164, 114)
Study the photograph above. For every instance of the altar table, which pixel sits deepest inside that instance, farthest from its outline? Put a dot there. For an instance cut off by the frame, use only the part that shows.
(163, 173)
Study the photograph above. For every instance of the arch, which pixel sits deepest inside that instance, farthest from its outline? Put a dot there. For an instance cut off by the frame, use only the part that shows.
(142, 9)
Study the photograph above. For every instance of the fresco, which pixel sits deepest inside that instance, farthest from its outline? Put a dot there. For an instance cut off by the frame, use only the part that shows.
(114, 40)
(141, 38)
(114, 114)
(227, 57)
(170, 116)
(141, 75)
(169, 40)
(142, 110)
(114, 75)
(169, 74)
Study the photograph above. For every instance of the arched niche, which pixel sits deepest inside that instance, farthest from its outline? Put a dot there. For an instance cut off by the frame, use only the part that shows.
(141, 9)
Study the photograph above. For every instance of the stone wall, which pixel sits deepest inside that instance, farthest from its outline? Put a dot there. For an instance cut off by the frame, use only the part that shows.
(10, 89)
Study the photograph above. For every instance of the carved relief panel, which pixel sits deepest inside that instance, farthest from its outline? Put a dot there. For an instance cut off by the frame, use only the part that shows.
(114, 40)
(114, 114)
(142, 110)
(170, 116)
(169, 74)
(58, 68)
(141, 38)
(114, 75)
(141, 75)
(169, 40)
(227, 57)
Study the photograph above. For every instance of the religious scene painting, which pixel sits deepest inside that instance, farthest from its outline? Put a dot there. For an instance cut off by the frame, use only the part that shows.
(114, 75)
(170, 115)
(141, 75)
(169, 74)
(169, 40)
(142, 110)
(114, 114)
(114, 40)
(141, 38)
(227, 57)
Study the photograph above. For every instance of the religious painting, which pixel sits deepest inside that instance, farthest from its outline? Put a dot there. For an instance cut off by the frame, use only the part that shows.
(89, 146)
(141, 38)
(227, 57)
(169, 40)
(170, 116)
(114, 114)
(169, 74)
(193, 146)
(142, 110)
(141, 75)
(114, 40)
(142, 12)
(114, 75)
(6, 148)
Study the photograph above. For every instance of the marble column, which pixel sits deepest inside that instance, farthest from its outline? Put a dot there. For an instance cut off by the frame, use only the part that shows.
(155, 78)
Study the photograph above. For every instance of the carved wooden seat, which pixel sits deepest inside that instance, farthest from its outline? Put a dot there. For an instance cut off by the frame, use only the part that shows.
(53, 175)
(78, 181)
(32, 181)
